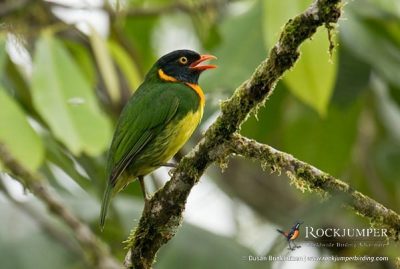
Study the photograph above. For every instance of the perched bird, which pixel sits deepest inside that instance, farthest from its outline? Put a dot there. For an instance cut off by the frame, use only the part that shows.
(292, 235)
(156, 122)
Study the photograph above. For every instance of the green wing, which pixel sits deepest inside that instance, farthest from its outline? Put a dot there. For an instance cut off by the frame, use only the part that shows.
(146, 114)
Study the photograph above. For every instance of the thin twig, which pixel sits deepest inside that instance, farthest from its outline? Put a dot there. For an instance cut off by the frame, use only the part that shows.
(47, 227)
(96, 251)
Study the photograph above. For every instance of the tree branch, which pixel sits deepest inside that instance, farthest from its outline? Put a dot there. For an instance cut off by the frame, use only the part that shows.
(306, 176)
(97, 253)
(55, 232)
(163, 216)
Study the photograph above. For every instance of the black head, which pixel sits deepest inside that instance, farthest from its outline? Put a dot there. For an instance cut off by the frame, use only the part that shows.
(297, 225)
(183, 65)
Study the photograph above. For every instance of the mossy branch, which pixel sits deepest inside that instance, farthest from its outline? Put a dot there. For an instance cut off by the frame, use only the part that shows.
(307, 177)
(163, 215)
(96, 252)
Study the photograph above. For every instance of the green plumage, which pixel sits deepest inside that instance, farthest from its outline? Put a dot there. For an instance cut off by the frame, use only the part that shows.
(158, 114)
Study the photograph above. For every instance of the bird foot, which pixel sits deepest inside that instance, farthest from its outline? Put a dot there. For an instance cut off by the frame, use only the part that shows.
(146, 202)
(172, 165)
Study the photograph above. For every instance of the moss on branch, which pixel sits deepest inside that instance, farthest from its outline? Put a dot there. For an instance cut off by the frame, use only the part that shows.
(307, 177)
(163, 216)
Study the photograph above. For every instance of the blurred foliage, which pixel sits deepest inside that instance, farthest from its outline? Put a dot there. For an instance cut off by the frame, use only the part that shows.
(18, 134)
(62, 87)
(316, 65)
(66, 101)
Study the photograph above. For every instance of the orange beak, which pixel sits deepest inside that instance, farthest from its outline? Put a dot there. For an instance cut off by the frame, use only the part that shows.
(195, 65)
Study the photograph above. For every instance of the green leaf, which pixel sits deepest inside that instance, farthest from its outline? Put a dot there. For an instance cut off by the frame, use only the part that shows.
(14, 81)
(65, 100)
(106, 65)
(374, 40)
(388, 110)
(312, 78)
(84, 60)
(388, 6)
(126, 64)
(323, 142)
(55, 154)
(387, 159)
(265, 127)
(2, 52)
(18, 136)
(205, 25)
(238, 54)
(138, 32)
(352, 78)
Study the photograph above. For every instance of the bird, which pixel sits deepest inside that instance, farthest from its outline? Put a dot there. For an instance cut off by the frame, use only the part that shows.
(156, 122)
(292, 234)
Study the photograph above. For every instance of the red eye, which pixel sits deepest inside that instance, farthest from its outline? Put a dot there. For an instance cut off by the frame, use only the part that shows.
(183, 60)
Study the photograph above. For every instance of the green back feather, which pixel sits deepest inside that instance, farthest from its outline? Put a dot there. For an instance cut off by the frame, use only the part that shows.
(143, 118)
(105, 205)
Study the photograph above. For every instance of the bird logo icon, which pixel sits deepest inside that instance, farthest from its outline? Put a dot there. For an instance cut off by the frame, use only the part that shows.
(292, 235)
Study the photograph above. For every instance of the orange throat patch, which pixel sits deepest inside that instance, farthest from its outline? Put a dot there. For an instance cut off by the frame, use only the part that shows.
(295, 235)
(193, 86)
(199, 92)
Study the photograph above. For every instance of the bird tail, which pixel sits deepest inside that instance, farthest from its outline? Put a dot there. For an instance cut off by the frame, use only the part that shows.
(280, 231)
(105, 205)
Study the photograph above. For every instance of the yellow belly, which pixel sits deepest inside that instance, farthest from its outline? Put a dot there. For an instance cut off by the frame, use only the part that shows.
(166, 144)
(183, 131)
(163, 148)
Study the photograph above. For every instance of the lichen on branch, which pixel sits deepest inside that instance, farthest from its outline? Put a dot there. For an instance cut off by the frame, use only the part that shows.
(307, 177)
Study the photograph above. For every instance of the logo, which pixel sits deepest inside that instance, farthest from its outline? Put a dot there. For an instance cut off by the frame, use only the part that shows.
(292, 235)
(311, 232)
(334, 237)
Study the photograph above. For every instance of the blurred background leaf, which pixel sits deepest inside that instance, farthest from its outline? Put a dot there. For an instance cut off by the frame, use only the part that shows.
(3, 53)
(18, 135)
(64, 99)
(105, 64)
(371, 32)
(240, 52)
(128, 68)
(313, 77)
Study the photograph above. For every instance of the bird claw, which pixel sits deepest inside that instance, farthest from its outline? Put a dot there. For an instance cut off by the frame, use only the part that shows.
(171, 172)
(172, 165)
(146, 202)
